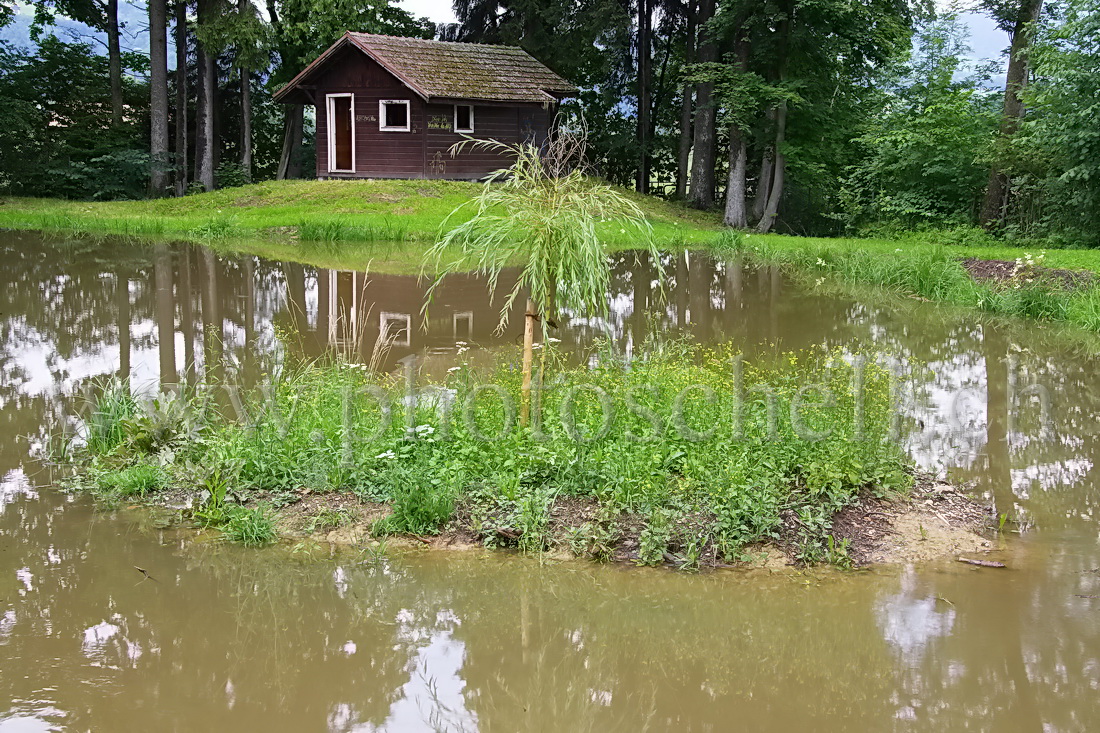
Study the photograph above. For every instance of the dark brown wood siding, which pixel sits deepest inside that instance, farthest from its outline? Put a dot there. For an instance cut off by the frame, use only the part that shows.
(423, 151)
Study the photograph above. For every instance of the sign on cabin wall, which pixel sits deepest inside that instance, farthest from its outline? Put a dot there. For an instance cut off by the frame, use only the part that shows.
(439, 122)
(366, 118)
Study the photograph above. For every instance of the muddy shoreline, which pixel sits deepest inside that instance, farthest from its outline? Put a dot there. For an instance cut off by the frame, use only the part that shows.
(935, 520)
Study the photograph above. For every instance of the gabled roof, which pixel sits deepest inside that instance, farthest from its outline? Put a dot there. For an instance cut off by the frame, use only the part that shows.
(447, 70)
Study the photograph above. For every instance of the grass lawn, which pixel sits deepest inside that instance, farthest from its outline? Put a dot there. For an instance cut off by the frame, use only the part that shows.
(296, 219)
(307, 211)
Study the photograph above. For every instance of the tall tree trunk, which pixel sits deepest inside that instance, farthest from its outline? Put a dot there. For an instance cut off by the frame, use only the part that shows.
(243, 7)
(204, 113)
(779, 158)
(246, 124)
(763, 184)
(114, 61)
(158, 96)
(702, 164)
(779, 165)
(684, 158)
(736, 215)
(997, 191)
(644, 87)
(181, 97)
(290, 165)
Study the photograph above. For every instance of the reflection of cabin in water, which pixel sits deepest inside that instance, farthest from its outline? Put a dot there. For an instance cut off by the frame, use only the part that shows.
(392, 107)
(365, 314)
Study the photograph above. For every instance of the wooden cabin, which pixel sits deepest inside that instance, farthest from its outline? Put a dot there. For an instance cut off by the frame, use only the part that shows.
(391, 107)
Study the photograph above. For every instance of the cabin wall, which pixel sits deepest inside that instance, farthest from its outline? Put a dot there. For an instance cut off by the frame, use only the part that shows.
(508, 124)
(424, 151)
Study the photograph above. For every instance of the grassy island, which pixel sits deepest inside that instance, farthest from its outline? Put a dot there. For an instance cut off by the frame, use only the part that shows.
(685, 456)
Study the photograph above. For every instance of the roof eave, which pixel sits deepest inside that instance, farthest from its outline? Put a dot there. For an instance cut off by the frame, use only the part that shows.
(292, 85)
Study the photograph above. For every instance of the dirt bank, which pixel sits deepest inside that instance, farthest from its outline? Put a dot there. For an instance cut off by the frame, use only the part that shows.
(1004, 270)
(935, 520)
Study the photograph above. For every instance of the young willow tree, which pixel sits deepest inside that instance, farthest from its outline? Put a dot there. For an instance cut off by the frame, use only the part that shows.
(543, 214)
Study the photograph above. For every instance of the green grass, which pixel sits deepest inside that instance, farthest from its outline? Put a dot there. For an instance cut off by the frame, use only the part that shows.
(283, 214)
(318, 427)
(928, 271)
(986, 248)
(250, 526)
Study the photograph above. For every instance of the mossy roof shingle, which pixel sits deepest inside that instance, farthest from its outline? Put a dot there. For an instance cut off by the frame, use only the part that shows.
(443, 69)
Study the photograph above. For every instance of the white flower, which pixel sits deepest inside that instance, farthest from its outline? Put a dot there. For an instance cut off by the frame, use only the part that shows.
(622, 231)
(424, 429)
(387, 454)
(821, 262)
(453, 369)
(553, 340)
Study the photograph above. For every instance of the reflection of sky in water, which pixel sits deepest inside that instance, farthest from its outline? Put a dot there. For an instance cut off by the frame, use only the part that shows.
(105, 645)
(432, 699)
(15, 484)
(909, 622)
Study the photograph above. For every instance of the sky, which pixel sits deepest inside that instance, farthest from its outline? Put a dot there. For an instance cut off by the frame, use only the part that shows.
(986, 40)
(438, 11)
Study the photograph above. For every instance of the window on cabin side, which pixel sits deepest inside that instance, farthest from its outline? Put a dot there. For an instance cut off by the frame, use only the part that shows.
(464, 118)
(393, 115)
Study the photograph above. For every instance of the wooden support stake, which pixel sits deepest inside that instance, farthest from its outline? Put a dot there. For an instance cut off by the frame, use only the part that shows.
(529, 321)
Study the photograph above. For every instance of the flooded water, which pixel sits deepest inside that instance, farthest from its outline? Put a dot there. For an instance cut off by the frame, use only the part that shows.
(278, 639)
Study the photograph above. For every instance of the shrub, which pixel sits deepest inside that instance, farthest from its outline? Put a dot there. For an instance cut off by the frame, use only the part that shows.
(250, 526)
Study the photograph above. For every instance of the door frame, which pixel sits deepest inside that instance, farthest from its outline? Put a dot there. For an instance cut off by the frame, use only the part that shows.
(331, 130)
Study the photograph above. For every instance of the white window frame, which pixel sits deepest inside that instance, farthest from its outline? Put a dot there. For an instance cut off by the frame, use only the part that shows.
(382, 115)
(467, 316)
(330, 111)
(471, 127)
(384, 333)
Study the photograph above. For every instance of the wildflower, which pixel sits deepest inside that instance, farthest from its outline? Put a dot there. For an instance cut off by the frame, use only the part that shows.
(821, 262)
(553, 340)
(453, 369)
(424, 429)
(387, 454)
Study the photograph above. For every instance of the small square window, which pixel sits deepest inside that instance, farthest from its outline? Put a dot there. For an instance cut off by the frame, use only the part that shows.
(395, 329)
(393, 115)
(464, 118)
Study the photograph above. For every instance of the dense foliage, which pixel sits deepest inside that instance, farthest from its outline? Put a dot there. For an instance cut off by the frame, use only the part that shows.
(806, 116)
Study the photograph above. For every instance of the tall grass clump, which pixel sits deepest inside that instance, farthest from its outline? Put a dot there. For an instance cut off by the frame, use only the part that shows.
(250, 526)
(543, 212)
(105, 425)
(332, 231)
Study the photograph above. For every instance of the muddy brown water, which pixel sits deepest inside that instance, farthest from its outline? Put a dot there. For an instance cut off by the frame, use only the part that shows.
(313, 639)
